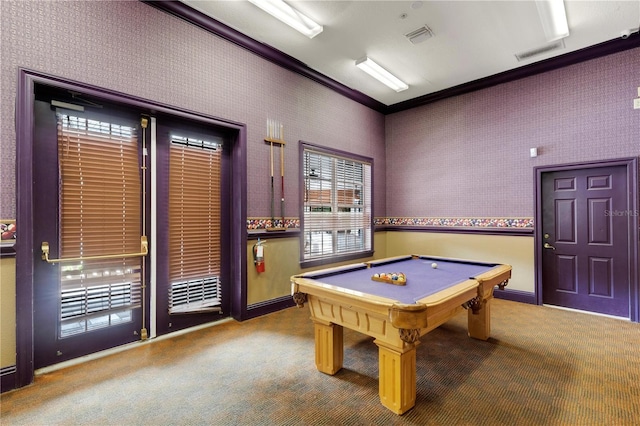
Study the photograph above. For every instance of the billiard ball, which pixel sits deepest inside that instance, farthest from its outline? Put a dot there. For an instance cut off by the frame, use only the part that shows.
(376, 275)
(434, 265)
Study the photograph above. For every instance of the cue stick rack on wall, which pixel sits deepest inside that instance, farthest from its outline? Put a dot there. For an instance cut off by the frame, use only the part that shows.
(275, 135)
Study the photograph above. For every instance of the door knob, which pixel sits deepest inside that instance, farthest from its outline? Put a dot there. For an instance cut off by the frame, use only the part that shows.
(549, 246)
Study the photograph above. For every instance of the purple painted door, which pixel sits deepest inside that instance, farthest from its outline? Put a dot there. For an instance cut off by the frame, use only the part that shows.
(75, 314)
(586, 227)
(80, 307)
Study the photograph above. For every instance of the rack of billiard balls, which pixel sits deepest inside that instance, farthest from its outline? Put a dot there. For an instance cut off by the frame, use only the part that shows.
(395, 278)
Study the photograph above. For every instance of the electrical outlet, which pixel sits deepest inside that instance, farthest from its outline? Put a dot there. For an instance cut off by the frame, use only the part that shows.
(636, 103)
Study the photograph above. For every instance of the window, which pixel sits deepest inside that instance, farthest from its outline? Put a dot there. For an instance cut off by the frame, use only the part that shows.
(99, 216)
(337, 202)
(194, 215)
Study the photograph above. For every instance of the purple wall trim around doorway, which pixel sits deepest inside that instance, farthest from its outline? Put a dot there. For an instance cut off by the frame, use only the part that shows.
(25, 249)
(633, 200)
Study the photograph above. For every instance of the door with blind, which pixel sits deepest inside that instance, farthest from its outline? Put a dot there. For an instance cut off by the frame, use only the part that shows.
(192, 284)
(90, 245)
(129, 227)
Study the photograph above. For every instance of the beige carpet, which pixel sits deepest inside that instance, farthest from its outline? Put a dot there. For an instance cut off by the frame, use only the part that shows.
(542, 366)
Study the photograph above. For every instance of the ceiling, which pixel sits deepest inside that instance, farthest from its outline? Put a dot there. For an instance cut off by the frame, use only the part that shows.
(471, 39)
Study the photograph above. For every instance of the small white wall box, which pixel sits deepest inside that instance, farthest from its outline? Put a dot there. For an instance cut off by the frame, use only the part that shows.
(533, 152)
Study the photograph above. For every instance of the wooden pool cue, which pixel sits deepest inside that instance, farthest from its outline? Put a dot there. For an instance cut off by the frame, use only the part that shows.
(273, 137)
(272, 192)
(282, 174)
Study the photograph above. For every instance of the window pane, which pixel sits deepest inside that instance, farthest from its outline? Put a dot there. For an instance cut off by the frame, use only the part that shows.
(318, 243)
(194, 214)
(99, 215)
(336, 205)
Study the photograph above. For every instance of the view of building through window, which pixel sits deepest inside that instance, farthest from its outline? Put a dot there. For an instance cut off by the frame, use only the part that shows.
(337, 205)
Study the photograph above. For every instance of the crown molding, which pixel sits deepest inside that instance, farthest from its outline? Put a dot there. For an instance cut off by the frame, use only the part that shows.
(269, 53)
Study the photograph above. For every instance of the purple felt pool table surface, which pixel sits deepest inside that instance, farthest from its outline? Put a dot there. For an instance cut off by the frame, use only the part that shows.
(422, 279)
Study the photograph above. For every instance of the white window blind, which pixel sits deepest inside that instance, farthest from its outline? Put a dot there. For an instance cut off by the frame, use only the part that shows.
(195, 217)
(337, 205)
(99, 215)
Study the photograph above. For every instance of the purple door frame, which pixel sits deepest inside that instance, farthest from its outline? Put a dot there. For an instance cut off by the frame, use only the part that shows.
(27, 80)
(631, 165)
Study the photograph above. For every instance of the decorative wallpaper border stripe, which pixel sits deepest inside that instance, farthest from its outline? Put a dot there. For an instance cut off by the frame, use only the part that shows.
(7, 243)
(260, 223)
(457, 222)
(8, 228)
(8, 231)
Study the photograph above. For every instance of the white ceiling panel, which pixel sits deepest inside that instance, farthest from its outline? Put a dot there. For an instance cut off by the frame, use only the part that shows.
(471, 39)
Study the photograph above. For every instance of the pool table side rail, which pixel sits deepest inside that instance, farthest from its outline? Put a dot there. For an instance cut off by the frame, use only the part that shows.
(498, 276)
(435, 309)
(332, 271)
(465, 287)
(484, 282)
(386, 261)
(453, 259)
(302, 284)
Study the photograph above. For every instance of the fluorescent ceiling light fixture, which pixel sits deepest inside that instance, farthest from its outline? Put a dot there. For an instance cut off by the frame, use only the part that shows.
(380, 74)
(554, 19)
(282, 11)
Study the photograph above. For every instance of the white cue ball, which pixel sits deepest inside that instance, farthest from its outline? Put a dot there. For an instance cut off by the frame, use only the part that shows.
(434, 265)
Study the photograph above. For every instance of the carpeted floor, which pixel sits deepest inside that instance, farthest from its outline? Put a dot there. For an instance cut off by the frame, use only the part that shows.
(542, 366)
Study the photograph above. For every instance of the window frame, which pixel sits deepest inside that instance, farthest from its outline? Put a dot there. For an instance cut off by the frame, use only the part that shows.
(332, 152)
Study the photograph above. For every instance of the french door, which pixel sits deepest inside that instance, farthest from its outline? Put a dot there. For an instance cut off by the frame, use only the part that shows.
(192, 283)
(105, 234)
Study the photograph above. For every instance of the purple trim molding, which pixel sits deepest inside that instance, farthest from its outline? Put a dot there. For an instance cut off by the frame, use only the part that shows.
(593, 52)
(195, 17)
(515, 296)
(238, 237)
(7, 251)
(7, 378)
(24, 216)
(269, 306)
(632, 174)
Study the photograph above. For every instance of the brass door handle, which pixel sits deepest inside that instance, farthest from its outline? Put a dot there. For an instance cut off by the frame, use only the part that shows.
(144, 250)
(549, 246)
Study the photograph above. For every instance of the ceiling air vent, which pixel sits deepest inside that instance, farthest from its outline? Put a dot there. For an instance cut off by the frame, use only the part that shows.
(540, 50)
(419, 35)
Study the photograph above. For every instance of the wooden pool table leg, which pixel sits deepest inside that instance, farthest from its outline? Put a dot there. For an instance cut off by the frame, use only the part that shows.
(479, 319)
(397, 382)
(329, 346)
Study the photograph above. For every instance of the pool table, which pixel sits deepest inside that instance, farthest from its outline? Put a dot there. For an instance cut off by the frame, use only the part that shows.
(435, 290)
